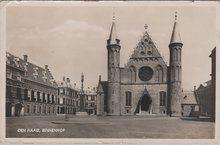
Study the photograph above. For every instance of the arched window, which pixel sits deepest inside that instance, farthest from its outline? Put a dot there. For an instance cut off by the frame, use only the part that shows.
(159, 74)
(173, 73)
(132, 74)
(163, 98)
(128, 98)
(176, 73)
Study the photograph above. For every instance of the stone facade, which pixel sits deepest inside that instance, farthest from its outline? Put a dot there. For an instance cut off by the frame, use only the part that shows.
(146, 85)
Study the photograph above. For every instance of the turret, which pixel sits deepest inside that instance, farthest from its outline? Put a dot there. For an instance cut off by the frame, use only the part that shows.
(175, 72)
(113, 47)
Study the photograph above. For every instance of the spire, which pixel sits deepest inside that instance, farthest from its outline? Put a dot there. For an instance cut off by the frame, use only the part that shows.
(175, 38)
(113, 37)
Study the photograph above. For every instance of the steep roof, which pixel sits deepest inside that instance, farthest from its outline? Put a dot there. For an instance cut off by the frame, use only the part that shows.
(175, 38)
(14, 61)
(189, 97)
(145, 49)
(102, 87)
(33, 72)
(113, 37)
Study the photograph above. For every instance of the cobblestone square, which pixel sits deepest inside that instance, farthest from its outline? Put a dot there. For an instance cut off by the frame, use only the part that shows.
(110, 127)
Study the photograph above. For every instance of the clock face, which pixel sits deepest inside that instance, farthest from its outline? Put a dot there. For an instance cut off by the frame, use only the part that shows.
(145, 73)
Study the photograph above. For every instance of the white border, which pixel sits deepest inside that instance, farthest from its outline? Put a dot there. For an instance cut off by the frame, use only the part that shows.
(102, 3)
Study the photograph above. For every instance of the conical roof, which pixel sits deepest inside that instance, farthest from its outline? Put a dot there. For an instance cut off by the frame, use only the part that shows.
(113, 37)
(175, 38)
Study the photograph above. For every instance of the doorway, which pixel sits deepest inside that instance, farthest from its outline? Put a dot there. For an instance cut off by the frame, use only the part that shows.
(144, 105)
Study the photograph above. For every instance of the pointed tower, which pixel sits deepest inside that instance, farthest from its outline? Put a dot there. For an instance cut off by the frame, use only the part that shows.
(113, 48)
(175, 72)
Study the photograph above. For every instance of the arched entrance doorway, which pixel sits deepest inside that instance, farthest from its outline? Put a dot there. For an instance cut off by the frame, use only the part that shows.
(8, 109)
(144, 104)
(18, 108)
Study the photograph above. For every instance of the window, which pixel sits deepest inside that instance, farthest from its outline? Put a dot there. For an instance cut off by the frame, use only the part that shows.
(26, 94)
(48, 98)
(89, 98)
(162, 98)
(44, 97)
(52, 99)
(35, 74)
(8, 73)
(32, 96)
(58, 100)
(8, 91)
(128, 99)
(159, 74)
(132, 74)
(19, 93)
(38, 97)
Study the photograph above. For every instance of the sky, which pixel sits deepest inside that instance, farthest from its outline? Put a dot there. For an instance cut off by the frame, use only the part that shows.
(71, 39)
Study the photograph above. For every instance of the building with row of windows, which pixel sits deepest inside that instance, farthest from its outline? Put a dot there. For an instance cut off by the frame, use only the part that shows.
(31, 90)
(68, 97)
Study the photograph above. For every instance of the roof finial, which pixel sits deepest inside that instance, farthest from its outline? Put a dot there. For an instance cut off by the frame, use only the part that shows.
(145, 26)
(113, 17)
(175, 15)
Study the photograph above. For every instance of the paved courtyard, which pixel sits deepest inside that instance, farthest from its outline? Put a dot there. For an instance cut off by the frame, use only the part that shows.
(109, 127)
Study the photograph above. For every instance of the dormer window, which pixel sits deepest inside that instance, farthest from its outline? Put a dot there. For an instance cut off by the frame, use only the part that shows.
(8, 73)
(44, 76)
(16, 60)
(8, 58)
(18, 76)
(52, 81)
(35, 72)
(26, 67)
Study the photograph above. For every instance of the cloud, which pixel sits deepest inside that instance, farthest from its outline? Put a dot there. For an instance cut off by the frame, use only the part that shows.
(77, 27)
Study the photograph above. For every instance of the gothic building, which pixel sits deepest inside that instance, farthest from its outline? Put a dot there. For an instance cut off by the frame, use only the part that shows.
(146, 85)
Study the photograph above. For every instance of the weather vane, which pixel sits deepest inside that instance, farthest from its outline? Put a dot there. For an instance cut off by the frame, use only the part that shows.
(175, 15)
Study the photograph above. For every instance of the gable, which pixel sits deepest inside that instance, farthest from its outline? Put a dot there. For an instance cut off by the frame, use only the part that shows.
(145, 48)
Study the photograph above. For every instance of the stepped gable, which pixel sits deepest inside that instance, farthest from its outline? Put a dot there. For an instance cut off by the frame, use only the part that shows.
(145, 48)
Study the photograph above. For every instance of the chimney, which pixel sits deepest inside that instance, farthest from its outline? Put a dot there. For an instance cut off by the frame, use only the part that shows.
(68, 80)
(64, 79)
(25, 58)
(194, 88)
(46, 66)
